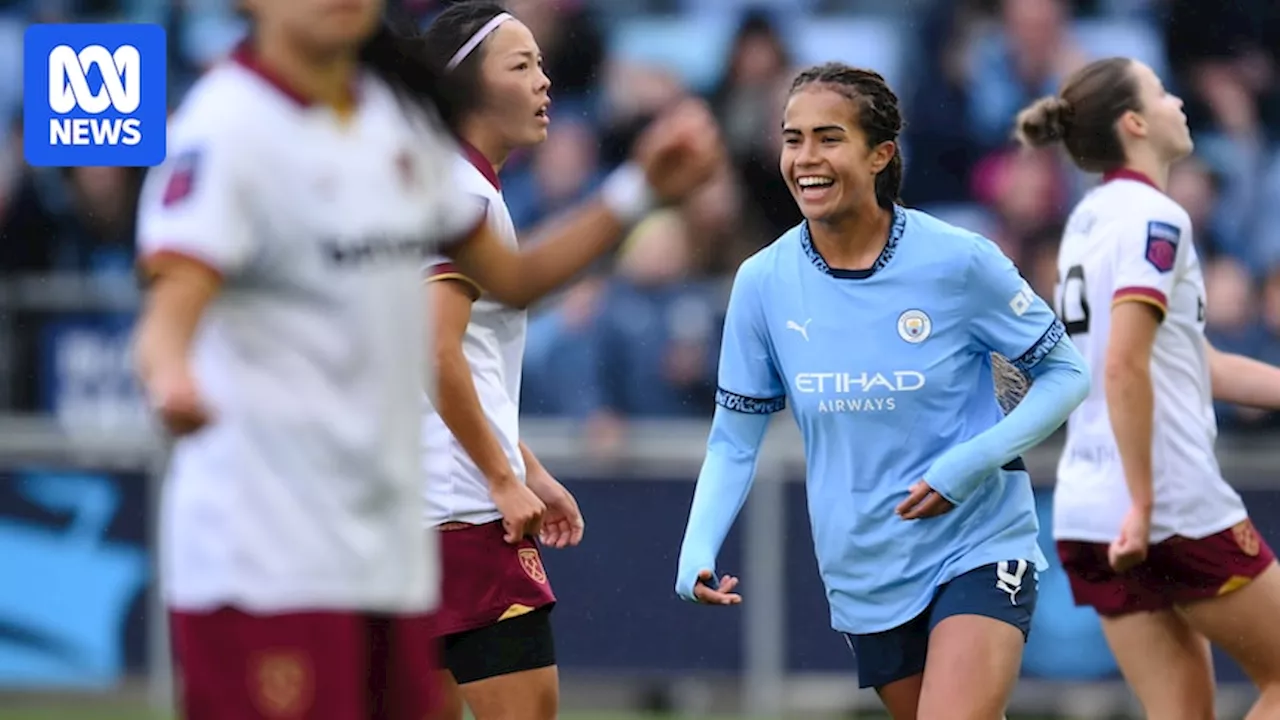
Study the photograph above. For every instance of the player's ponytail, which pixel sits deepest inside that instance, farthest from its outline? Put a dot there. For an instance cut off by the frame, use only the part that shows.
(1083, 115)
(399, 59)
(1044, 122)
(878, 116)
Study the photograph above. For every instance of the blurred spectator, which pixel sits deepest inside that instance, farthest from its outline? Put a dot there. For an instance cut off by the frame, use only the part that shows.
(1193, 185)
(715, 218)
(772, 211)
(631, 96)
(560, 353)
(1028, 196)
(656, 350)
(1028, 56)
(939, 156)
(75, 220)
(1225, 58)
(563, 169)
(1231, 309)
(1263, 245)
(748, 100)
(746, 95)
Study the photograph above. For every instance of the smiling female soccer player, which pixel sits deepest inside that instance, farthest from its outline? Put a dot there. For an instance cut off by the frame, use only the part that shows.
(1149, 533)
(283, 341)
(877, 323)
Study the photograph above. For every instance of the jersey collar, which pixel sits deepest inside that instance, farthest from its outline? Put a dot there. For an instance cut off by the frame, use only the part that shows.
(244, 56)
(1127, 174)
(480, 163)
(895, 234)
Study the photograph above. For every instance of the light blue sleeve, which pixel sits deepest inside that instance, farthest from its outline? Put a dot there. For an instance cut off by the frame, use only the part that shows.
(723, 485)
(749, 391)
(1006, 315)
(748, 380)
(1060, 383)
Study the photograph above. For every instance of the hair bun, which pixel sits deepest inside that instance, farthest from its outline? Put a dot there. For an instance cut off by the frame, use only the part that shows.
(1045, 122)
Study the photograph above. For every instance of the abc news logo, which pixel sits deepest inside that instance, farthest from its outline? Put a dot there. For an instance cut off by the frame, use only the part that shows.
(69, 90)
(95, 94)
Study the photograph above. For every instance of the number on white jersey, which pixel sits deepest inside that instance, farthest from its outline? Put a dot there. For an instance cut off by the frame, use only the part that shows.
(1072, 301)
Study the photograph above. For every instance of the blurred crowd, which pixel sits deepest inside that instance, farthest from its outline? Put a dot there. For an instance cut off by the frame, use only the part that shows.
(639, 338)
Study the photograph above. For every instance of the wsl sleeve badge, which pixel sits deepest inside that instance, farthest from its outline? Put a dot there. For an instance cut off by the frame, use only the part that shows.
(182, 178)
(1162, 245)
(94, 94)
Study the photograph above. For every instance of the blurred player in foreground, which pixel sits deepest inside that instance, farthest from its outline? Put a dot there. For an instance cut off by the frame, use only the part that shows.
(283, 339)
(485, 490)
(1149, 533)
(878, 323)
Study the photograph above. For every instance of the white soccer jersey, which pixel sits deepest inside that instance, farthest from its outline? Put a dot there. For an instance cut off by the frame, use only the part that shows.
(455, 489)
(1127, 241)
(304, 491)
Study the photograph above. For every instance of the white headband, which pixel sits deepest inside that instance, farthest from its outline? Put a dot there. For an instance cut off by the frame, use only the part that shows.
(470, 45)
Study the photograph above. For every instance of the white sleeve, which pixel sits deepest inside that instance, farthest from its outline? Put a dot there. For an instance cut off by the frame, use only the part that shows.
(194, 204)
(438, 265)
(1148, 251)
(455, 213)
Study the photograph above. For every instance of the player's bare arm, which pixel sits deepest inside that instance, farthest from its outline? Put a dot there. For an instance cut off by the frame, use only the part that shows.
(459, 406)
(180, 290)
(1242, 380)
(562, 525)
(1130, 406)
(678, 153)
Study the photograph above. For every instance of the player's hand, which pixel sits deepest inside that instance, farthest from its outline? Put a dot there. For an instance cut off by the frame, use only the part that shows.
(923, 502)
(521, 510)
(721, 594)
(680, 151)
(177, 402)
(1130, 549)
(562, 524)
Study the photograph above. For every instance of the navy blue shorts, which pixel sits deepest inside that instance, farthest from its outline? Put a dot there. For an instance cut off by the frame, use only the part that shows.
(999, 591)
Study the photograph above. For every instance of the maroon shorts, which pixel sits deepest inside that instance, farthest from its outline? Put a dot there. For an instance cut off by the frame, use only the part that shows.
(1177, 571)
(486, 580)
(305, 666)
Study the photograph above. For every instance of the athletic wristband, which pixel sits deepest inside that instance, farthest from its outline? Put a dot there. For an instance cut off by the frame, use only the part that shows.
(627, 194)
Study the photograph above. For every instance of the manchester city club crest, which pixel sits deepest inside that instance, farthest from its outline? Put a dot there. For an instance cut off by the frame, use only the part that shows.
(914, 326)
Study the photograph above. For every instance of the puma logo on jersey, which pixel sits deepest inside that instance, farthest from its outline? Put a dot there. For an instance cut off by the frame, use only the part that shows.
(802, 329)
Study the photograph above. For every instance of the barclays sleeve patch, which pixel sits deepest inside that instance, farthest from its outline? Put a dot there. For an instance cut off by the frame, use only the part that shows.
(1162, 245)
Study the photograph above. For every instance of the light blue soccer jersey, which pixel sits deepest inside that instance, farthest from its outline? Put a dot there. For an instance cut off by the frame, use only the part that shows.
(884, 370)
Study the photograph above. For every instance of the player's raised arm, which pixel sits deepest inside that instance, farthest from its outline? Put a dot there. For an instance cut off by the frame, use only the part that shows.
(1010, 319)
(680, 152)
(749, 392)
(192, 233)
